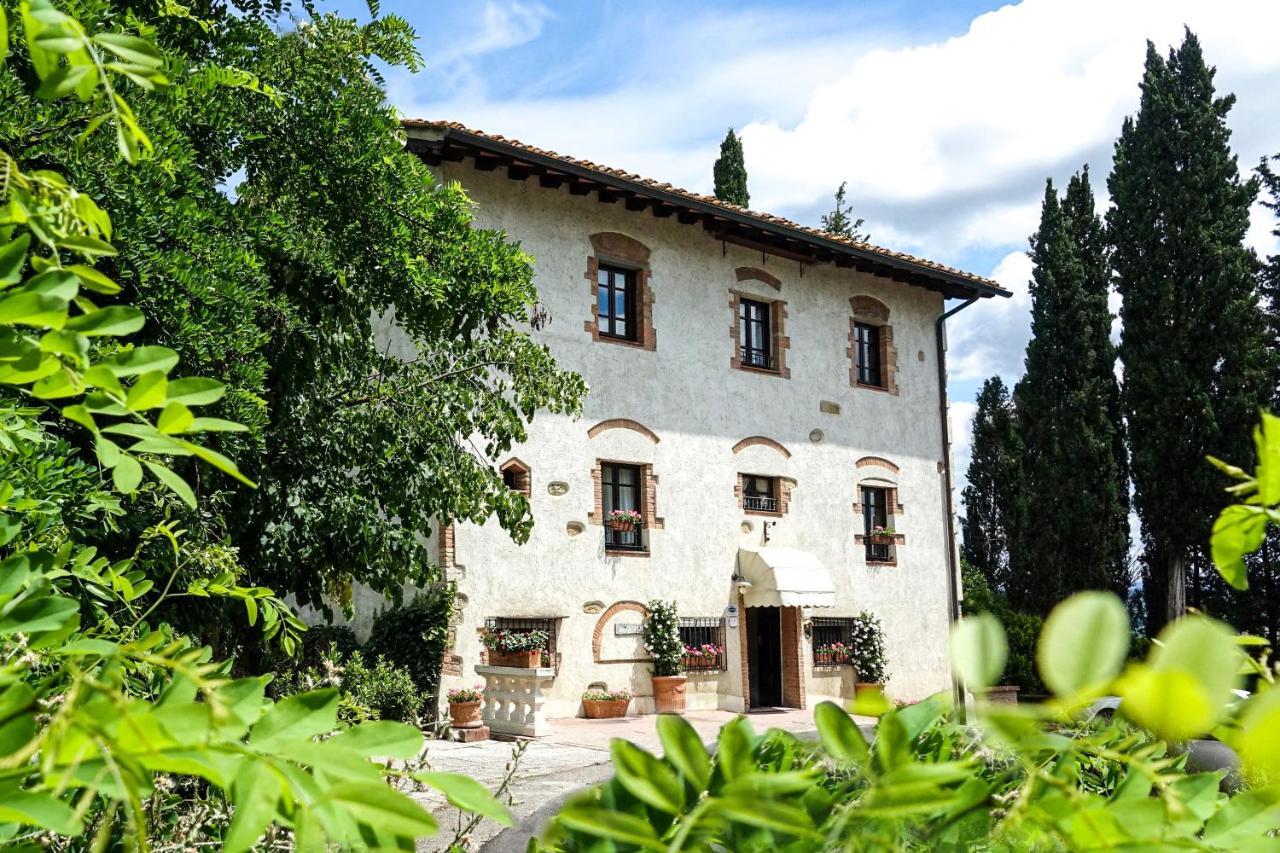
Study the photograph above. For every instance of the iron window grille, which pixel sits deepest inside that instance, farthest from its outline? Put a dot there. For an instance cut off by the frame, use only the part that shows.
(616, 302)
(753, 334)
(698, 632)
(875, 513)
(868, 350)
(759, 494)
(622, 488)
(830, 631)
(550, 624)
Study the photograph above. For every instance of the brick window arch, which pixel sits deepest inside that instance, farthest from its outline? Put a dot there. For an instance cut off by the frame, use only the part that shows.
(625, 263)
(873, 357)
(623, 423)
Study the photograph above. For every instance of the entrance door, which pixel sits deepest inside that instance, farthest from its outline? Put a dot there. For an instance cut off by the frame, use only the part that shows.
(764, 666)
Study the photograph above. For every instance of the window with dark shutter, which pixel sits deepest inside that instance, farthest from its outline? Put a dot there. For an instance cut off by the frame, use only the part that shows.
(616, 302)
(754, 343)
(869, 367)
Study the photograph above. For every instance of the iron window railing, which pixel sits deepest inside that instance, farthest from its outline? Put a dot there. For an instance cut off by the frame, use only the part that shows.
(760, 503)
(754, 334)
(550, 624)
(705, 635)
(753, 357)
(759, 494)
(625, 540)
(831, 632)
(877, 553)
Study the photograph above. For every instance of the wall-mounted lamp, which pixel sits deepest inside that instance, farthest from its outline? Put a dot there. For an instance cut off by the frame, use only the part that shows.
(742, 583)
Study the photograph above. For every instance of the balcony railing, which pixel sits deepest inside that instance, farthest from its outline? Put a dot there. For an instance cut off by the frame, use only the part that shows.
(625, 540)
(755, 358)
(879, 553)
(760, 503)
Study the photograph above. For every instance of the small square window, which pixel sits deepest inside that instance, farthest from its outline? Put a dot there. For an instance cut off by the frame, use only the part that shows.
(759, 494)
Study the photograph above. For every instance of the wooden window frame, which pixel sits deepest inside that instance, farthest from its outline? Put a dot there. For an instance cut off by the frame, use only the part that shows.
(870, 354)
(607, 323)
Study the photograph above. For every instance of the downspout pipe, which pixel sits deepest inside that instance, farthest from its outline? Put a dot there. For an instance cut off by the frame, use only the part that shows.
(953, 568)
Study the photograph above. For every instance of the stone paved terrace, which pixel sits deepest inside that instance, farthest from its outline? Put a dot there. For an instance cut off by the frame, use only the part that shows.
(574, 756)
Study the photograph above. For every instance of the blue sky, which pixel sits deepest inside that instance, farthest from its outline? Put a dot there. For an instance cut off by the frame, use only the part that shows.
(944, 117)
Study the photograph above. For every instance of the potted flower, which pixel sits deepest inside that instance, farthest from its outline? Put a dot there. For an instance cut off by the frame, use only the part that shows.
(710, 652)
(881, 535)
(464, 706)
(839, 652)
(662, 641)
(624, 520)
(867, 652)
(521, 649)
(822, 655)
(605, 704)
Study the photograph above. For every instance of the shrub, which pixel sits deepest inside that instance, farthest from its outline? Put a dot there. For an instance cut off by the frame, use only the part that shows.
(320, 640)
(868, 648)
(414, 636)
(384, 688)
(662, 638)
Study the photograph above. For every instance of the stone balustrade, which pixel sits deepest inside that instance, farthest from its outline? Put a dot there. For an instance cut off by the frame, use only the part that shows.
(513, 699)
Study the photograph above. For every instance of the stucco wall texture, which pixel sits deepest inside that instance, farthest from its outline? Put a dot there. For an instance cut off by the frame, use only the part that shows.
(686, 393)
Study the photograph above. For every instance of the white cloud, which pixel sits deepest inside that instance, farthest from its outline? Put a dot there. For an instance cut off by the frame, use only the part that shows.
(960, 419)
(990, 336)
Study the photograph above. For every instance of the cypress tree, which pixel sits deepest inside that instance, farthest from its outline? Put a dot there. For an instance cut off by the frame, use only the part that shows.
(1196, 365)
(1074, 480)
(991, 495)
(730, 172)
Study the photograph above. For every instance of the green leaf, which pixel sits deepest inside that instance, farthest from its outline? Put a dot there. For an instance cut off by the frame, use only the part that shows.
(142, 360)
(148, 392)
(1083, 644)
(196, 391)
(173, 481)
(93, 280)
(381, 808)
(840, 734)
(33, 309)
(113, 320)
(79, 414)
(683, 748)
(609, 824)
(4, 36)
(35, 809)
(13, 255)
(255, 793)
(646, 778)
(1259, 740)
(1185, 688)
(296, 718)
(464, 793)
(127, 474)
(381, 739)
(215, 425)
(978, 650)
(131, 49)
(1237, 532)
(175, 418)
(65, 80)
(87, 245)
(734, 748)
(766, 814)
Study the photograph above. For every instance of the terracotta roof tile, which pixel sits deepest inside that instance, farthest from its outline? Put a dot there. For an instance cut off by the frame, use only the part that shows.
(709, 200)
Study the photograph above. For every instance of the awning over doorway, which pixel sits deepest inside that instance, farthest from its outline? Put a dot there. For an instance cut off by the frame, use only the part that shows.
(784, 577)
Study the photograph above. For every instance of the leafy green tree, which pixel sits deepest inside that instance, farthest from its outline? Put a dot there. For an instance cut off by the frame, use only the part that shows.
(840, 222)
(280, 285)
(730, 172)
(992, 495)
(1074, 484)
(1194, 342)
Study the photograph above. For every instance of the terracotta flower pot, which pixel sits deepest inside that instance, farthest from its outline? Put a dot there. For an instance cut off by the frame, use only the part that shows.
(522, 660)
(623, 525)
(465, 715)
(604, 709)
(822, 658)
(668, 693)
(881, 540)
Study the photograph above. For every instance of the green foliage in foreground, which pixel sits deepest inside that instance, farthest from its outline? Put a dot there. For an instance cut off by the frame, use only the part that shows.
(1018, 777)
(102, 708)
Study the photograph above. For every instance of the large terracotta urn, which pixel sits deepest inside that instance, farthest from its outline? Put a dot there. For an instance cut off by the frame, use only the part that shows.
(668, 693)
(465, 715)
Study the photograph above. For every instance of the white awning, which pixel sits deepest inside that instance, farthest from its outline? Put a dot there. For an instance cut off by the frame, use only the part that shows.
(784, 577)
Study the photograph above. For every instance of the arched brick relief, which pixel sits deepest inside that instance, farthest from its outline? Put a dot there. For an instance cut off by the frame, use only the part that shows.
(869, 310)
(623, 423)
(761, 441)
(598, 633)
(619, 247)
(868, 461)
(757, 274)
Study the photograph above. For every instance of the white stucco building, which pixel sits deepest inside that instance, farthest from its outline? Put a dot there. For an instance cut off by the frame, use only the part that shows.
(761, 393)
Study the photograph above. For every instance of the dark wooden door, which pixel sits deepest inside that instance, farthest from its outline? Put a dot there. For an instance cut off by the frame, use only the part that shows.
(764, 645)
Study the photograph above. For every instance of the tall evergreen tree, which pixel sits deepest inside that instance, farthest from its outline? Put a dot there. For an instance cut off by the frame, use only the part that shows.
(1074, 483)
(730, 172)
(840, 221)
(991, 494)
(1196, 364)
